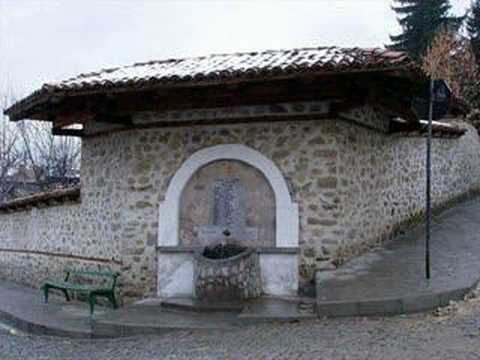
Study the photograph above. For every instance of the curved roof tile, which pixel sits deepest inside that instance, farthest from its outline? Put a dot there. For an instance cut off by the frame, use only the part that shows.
(222, 67)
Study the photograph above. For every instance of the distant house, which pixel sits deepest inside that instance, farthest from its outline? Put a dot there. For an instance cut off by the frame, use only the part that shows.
(24, 182)
(309, 156)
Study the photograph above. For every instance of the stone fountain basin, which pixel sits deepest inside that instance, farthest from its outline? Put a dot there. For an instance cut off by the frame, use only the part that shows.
(230, 279)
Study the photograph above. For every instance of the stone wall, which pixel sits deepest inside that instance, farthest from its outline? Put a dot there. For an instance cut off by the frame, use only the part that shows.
(353, 185)
(382, 182)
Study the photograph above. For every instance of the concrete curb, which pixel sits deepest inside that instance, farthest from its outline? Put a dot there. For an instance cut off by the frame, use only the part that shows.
(108, 329)
(102, 330)
(114, 330)
(371, 307)
(34, 328)
(267, 311)
(392, 306)
(183, 305)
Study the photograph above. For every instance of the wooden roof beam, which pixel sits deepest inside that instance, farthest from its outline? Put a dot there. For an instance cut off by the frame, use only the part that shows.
(125, 120)
(68, 132)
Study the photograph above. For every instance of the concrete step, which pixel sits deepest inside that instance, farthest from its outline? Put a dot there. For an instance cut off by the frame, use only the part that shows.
(277, 309)
(190, 304)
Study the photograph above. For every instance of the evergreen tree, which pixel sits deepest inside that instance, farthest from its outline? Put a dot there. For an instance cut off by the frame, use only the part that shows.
(420, 20)
(473, 28)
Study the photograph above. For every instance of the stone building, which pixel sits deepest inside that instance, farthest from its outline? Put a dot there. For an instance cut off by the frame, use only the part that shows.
(310, 156)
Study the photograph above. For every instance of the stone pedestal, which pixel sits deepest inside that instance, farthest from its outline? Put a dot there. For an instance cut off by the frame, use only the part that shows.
(234, 278)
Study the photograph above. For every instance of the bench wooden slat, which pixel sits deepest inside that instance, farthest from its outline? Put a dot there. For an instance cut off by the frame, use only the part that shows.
(93, 273)
(74, 286)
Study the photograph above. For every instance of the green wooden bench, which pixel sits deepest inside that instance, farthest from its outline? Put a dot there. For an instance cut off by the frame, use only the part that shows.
(92, 291)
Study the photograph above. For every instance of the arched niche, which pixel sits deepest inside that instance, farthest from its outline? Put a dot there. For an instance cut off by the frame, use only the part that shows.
(286, 211)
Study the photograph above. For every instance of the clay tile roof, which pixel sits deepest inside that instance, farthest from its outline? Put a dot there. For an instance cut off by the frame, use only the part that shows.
(222, 68)
(57, 195)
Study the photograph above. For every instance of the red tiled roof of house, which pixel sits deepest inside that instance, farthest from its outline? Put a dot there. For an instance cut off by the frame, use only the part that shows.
(57, 195)
(217, 68)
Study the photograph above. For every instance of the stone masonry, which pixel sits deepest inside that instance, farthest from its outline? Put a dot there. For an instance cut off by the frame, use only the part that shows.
(354, 186)
(235, 278)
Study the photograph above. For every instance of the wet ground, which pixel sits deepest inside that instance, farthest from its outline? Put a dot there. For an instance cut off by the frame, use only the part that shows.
(397, 271)
(453, 333)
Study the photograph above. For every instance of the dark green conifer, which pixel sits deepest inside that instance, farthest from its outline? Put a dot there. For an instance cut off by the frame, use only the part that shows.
(420, 20)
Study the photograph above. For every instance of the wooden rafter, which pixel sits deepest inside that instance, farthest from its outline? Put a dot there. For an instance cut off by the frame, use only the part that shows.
(68, 132)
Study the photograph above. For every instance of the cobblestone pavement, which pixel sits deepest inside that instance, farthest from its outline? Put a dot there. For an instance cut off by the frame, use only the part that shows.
(452, 334)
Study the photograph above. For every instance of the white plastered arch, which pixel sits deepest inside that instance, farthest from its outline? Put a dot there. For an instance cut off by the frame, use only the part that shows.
(287, 222)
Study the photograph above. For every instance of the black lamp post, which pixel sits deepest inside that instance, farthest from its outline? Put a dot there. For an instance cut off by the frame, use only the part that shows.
(428, 177)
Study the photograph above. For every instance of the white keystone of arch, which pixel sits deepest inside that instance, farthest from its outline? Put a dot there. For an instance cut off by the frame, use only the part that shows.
(287, 222)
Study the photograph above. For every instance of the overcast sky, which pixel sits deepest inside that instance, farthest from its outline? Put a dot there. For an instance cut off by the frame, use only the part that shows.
(47, 40)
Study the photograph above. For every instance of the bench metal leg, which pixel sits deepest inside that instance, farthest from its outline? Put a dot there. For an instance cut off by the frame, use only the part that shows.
(45, 292)
(67, 296)
(92, 300)
(113, 300)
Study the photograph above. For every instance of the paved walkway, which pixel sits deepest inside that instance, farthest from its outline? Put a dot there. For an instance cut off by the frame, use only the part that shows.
(24, 309)
(416, 336)
(392, 279)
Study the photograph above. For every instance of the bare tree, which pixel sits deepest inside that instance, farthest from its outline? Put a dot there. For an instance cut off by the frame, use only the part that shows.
(55, 160)
(451, 58)
(32, 159)
(10, 148)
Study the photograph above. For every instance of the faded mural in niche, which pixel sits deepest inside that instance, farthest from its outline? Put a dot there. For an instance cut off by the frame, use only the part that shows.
(227, 222)
(227, 201)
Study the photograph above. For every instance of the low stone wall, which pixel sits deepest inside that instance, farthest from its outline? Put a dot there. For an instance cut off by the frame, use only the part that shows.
(353, 187)
(40, 243)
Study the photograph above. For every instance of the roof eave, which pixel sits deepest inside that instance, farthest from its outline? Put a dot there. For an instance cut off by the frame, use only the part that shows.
(25, 108)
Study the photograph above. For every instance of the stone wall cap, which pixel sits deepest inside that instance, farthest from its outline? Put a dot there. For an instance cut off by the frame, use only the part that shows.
(57, 195)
